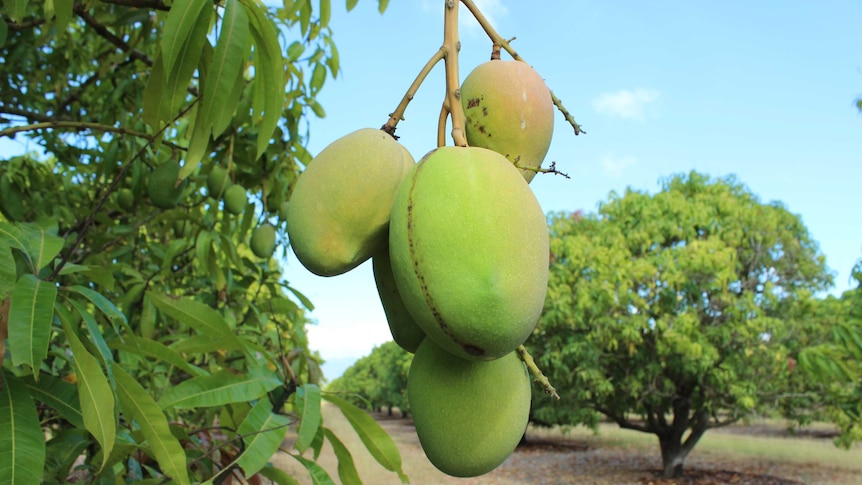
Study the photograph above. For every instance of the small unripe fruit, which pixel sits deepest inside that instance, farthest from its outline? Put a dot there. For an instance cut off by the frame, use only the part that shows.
(162, 187)
(235, 199)
(469, 415)
(469, 248)
(263, 241)
(217, 182)
(339, 209)
(509, 110)
(282, 210)
(126, 199)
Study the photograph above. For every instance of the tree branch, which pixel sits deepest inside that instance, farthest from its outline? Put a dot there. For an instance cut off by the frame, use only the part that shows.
(103, 31)
(147, 4)
(398, 114)
(622, 422)
(29, 115)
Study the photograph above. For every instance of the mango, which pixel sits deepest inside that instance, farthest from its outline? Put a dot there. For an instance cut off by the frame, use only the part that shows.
(405, 332)
(468, 245)
(235, 199)
(509, 110)
(218, 181)
(339, 209)
(263, 241)
(469, 415)
(162, 186)
(126, 199)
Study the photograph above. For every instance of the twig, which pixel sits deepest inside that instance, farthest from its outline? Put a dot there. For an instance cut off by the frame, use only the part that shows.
(398, 114)
(452, 45)
(497, 39)
(441, 124)
(537, 373)
(147, 4)
(103, 31)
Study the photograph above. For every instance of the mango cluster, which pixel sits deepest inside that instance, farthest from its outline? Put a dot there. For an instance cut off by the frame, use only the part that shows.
(459, 248)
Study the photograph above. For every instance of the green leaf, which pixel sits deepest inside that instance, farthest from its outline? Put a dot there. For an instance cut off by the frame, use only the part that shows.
(115, 316)
(154, 425)
(17, 9)
(325, 12)
(278, 476)
(295, 50)
(318, 77)
(301, 297)
(22, 446)
(40, 244)
(95, 395)
(60, 395)
(382, 4)
(182, 18)
(95, 335)
(317, 473)
(379, 443)
(64, 448)
(351, 4)
(228, 59)
(30, 316)
(308, 406)
(269, 70)
(156, 350)
(346, 467)
(4, 31)
(221, 388)
(63, 12)
(263, 432)
(316, 108)
(7, 271)
(197, 316)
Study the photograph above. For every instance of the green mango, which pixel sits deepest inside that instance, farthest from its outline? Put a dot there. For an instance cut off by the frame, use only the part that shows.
(469, 415)
(403, 328)
(235, 199)
(339, 209)
(469, 248)
(162, 187)
(218, 181)
(509, 110)
(263, 241)
(126, 199)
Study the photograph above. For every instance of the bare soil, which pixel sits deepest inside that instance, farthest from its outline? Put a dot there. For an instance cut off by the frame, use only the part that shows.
(558, 460)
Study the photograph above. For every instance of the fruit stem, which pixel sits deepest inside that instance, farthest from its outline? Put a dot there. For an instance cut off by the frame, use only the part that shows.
(441, 124)
(537, 373)
(497, 39)
(452, 45)
(398, 114)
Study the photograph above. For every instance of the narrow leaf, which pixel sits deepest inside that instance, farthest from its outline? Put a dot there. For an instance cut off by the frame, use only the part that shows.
(94, 393)
(379, 443)
(115, 316)
(346, 467)
(17, 9)
(317, 473)
(197, 316)
(30, 316)
(263, 432)
(269, 68)
(325, 12)
(64, 448)
(154, 425)
(7, 271)
(180, 22)
(95, 335)
(22, 446)
(59, 395)
(228, 60)
(277, 475)
(351, 4)
(41, 244)
(308, 406)
(156, 97)
(156, 350)
(219, 389)
(382, 4)
(63, 12)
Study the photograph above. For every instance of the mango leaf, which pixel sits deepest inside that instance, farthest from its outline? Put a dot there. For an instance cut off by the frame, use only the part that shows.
(63, 10)
(154, 425)
(346, 467)
(17, 9)
(351, 4)
(94, 393)
(115, 316)
(278, 476)
(262, 432)
(197, 316)
(157, 350)
(218, 389)
(62, 451)
(7, 271)
(269, 73)
(379, 443)
(95, 335)
(382, 4)
(181, 20)
(318, 77)
(228, 60)
(22, 446)
(59, 395)
(317, 473)
(308, 407)
(4, 31)
(325, 12)
(157, 98)
(41, 244)
(30, 316)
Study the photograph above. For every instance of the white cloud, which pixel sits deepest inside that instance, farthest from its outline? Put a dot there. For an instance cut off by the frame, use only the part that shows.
(614, 166)
(625, 104)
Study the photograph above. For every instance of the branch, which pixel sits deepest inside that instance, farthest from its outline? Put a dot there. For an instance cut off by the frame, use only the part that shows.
(75, 125)
(398, 114)
(24, 25)
(147, 4)
(622, 422)
(29, 115)
(109, 36)
(452, 45)
(537, 373)
(498, 40)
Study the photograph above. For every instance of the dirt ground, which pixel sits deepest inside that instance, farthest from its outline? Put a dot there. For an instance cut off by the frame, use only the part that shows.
(560, 461)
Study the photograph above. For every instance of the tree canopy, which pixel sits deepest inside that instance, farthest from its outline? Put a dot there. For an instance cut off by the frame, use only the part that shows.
(378, 380)
(669, 313)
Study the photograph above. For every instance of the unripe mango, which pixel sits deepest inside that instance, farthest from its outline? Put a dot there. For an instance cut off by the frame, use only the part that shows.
(468, 244)
(469, 415)
(162, 186)
(339, 209)
(263, 241)
(403, 328)
(218, 181)
(126, 199)
(509, 110)
(235, 199)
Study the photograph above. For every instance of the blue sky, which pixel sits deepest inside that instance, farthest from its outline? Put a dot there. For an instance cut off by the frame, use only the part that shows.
(763, 90)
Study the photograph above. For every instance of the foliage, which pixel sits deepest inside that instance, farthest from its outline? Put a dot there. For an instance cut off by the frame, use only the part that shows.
(378, 380)
(666, 312)
(150, 340)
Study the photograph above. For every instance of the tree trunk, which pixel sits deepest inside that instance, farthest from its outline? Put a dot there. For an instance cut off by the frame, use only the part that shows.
(672, 456)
